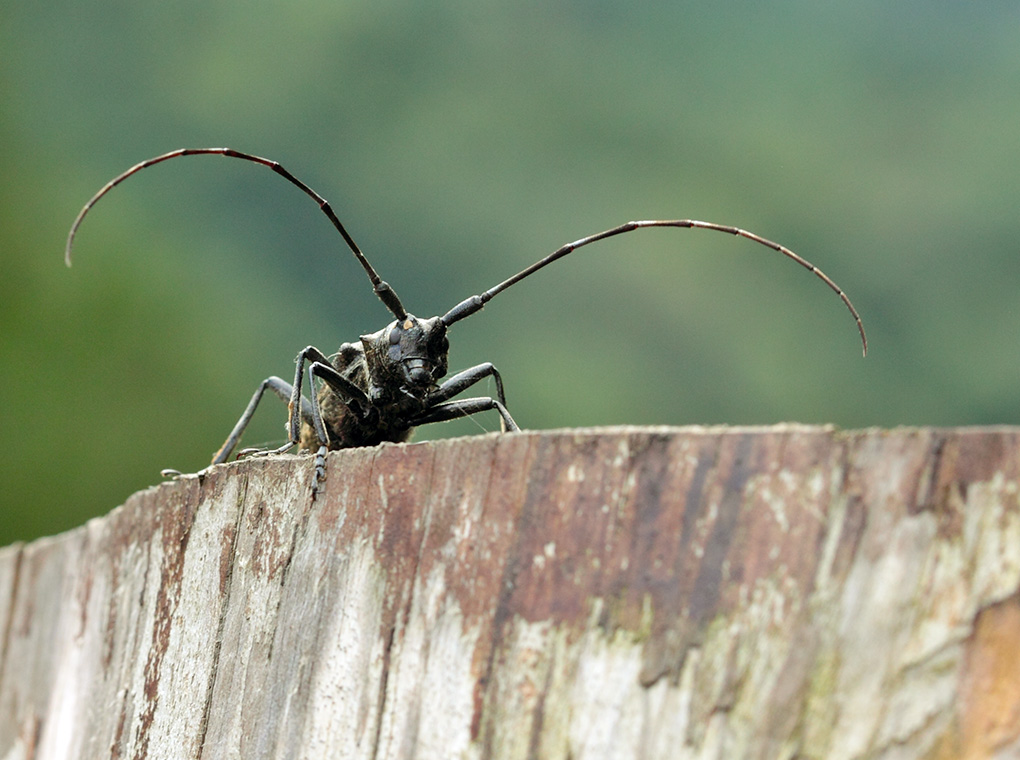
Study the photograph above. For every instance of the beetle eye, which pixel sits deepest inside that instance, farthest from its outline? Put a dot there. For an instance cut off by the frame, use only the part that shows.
(394, 336)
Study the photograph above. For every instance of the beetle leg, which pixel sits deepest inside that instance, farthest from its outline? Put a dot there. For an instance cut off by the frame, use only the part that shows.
(282, 389)
(354, 397)
(464, 380)
(452, 410)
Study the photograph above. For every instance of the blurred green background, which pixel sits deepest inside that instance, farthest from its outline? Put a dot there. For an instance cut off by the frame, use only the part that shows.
(459, 142)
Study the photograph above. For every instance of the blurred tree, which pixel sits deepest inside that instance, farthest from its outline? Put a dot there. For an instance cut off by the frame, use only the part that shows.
(461, 142)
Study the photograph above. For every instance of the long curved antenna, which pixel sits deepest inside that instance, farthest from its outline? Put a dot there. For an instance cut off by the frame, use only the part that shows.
(382, 289)
(469, 306)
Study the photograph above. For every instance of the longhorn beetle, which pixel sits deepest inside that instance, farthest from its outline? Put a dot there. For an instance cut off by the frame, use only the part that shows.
(381, 387)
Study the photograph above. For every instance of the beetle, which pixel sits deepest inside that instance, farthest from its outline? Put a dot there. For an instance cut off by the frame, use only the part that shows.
(389, 382)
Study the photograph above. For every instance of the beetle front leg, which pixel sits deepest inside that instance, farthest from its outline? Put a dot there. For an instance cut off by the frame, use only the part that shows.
(464, 380)
(313, 355)
(309, 410)
(452, 410)
(353, 396)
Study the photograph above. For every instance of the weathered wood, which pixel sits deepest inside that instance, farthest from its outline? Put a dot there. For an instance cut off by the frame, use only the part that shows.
(781, 592)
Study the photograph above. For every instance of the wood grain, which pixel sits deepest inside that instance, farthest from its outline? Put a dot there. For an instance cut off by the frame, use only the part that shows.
(775, 592)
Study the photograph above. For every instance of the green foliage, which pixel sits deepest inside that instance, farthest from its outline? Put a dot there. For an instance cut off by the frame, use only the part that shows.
(459, 142)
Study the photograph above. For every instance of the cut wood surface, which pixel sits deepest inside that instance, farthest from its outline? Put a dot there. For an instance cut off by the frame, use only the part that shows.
(777, 592)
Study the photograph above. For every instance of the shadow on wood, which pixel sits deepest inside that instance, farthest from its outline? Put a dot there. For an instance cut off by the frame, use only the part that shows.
(769, 592)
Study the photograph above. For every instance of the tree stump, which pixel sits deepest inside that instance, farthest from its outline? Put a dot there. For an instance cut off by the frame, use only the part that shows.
(778, 592)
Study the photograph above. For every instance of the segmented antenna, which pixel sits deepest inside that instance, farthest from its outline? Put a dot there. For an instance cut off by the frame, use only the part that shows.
(382, 289)
(469, 306)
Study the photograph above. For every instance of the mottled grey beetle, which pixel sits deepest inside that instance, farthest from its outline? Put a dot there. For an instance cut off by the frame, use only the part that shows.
(388, 383)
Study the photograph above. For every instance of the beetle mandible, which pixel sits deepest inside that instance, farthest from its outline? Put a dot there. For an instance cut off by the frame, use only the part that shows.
(389, 382)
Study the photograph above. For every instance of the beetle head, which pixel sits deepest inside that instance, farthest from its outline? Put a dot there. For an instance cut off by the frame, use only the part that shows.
(410, 352)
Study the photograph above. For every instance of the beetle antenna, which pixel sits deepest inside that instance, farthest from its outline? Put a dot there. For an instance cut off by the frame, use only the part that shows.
(382, 289)
(469, 306)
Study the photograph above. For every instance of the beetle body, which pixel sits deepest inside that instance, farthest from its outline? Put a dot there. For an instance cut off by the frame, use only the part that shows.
(398, 368)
